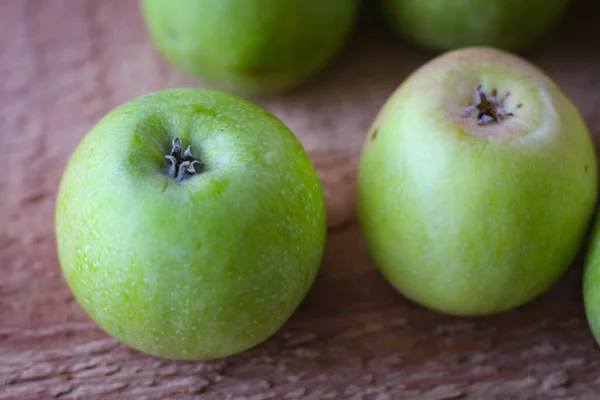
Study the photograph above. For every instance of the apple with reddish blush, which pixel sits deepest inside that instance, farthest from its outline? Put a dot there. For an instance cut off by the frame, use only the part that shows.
(477, 183)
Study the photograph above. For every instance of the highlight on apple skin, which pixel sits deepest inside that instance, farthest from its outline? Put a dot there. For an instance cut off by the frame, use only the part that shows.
(477, 183)
(250, 47)
(190, 224)
(442, 25)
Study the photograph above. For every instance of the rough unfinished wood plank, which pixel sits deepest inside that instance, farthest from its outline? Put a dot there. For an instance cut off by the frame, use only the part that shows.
(63, 64)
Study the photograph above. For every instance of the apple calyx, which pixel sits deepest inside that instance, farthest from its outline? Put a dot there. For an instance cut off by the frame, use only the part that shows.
(183, 164)
(489, 110)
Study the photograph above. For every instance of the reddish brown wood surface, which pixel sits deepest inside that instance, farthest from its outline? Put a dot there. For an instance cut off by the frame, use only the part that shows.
(63, 64)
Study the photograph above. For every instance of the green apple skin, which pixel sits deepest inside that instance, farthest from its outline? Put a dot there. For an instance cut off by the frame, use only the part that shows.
(253, 47)
(451, 24)
(471, 219)
(591, 281)
(198, 269)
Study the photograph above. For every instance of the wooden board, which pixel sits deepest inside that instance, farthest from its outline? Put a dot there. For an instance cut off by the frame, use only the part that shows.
(63, 64)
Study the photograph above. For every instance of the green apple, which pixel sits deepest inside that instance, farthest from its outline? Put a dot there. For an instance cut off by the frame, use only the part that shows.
(476, 183)
(450, 24)
(591, 281)
(190, 224)
(250, 46)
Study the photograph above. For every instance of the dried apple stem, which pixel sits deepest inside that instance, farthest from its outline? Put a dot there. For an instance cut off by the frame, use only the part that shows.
(489, 110)
(183, 164)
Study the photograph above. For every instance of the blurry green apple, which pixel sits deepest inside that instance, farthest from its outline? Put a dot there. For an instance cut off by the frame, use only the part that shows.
(190, 224)
(250, 46)
(591, 281)
(450, 24)
(477, 183)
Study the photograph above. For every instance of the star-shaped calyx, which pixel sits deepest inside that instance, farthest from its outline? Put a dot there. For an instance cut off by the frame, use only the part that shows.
(489, 110)
(183, 163)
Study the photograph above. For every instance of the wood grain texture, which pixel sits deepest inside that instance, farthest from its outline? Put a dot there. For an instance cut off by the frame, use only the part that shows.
(63, 64)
